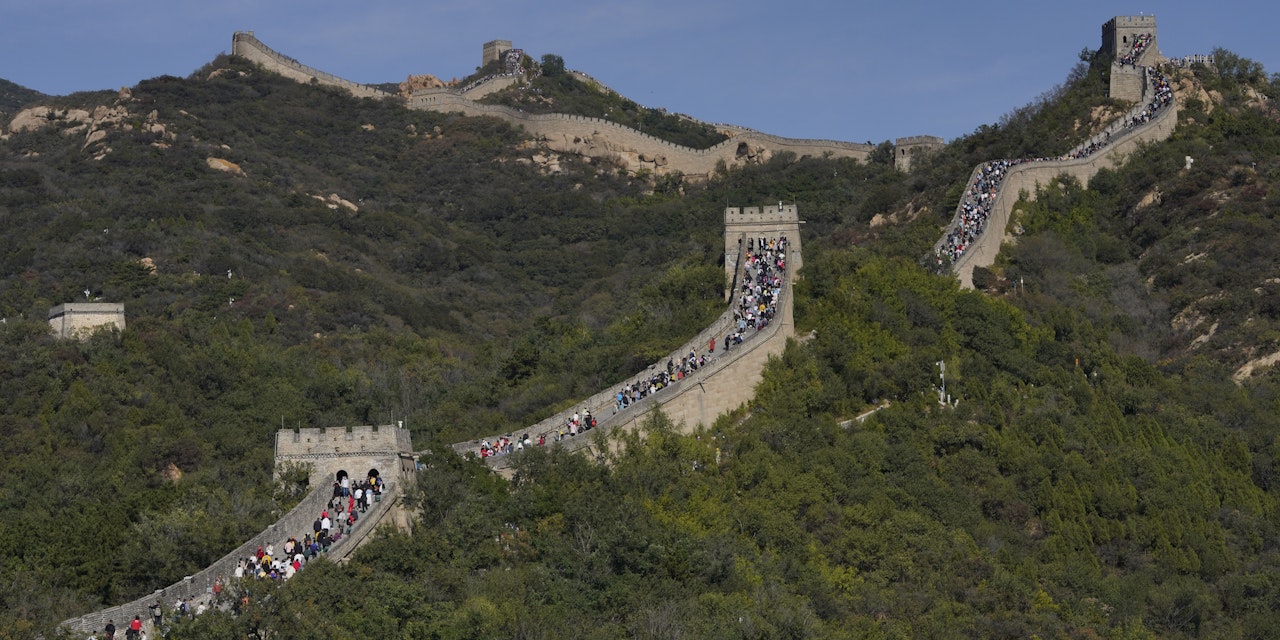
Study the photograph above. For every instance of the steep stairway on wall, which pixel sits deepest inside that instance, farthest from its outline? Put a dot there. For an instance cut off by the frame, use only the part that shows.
(1153, 119)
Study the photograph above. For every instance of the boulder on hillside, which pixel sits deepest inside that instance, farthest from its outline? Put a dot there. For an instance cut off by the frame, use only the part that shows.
(224, 165)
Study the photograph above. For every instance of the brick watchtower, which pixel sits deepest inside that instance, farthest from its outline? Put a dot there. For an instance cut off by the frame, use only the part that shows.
(1119, 35)
(493, 50)
(1120, 32)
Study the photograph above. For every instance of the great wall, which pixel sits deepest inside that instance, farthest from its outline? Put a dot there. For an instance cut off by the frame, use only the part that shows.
(1132, 82)
(592, 137)
(724, 384)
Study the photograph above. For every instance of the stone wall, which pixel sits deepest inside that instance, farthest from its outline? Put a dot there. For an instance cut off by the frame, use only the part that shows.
(905, 150)
(600, 138)
(726, 382)
(245, 45)
(1126, 82)
(492, 51)
(723, 385)
(1027, 177)
(758, 222)
(1120, 32)
(592, 137)
(492, 85)
(297, 523)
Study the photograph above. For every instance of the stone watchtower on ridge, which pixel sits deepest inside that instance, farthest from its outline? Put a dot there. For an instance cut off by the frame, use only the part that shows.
(387, 448)
(494, 50)
(1119, 35)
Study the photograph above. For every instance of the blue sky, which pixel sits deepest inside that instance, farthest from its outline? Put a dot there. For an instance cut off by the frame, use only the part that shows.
(846, 70)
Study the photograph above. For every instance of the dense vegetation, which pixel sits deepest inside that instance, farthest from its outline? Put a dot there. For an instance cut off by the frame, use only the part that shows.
(1098, 477)
(13, 97)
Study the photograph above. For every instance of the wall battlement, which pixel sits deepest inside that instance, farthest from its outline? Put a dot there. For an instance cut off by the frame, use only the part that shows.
(340, 440)
(1119, 33)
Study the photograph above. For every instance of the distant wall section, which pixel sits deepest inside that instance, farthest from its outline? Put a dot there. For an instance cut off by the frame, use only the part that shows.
(245, 45)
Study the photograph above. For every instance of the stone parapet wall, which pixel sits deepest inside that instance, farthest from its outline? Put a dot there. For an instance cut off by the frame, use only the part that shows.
(297, 523)
(769, 222)
(721, 386)
(906, 149)
(1126, 82)
(597, 137)
(759, 222)
(245, 45)
(491, 85)
(587, 136)
(1028, 176)
(351, 449)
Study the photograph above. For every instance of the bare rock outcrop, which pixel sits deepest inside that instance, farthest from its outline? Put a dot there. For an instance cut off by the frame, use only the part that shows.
(227, 166)
(418, 83)
(334, 201)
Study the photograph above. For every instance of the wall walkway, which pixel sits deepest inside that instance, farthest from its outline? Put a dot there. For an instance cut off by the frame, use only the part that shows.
(297, 523)
(727, 380)
(1118, 142)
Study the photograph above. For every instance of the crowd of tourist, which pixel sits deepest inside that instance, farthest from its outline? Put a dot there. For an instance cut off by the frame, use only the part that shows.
(984, 188)
(1140, 44)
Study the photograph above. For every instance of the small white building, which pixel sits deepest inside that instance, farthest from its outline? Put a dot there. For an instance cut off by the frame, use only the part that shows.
(79, 320)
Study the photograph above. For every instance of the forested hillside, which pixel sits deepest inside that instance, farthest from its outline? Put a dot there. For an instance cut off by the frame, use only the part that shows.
(14, 97)
(1100, 475)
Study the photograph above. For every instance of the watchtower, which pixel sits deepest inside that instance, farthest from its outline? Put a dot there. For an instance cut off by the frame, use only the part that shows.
(744, 227)
(494, 50)
(906, 149)
(387, 448)
(1119, 37)
(1120, 32)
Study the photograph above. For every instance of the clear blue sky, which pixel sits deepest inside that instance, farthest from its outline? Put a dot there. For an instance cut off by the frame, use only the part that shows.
(822, 69)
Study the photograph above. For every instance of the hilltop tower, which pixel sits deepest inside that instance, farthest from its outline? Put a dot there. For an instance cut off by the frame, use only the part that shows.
(1119, 35)
(494, 50)
(1120, 32)
(906, 149)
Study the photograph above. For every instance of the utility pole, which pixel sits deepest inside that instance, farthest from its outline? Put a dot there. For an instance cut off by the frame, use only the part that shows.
(942, 378)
